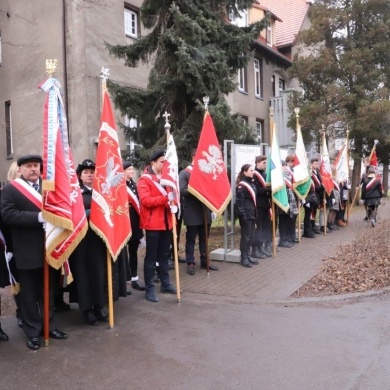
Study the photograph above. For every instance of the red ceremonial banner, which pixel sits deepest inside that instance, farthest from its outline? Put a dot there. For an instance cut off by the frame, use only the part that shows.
(209, 181)
(109, 216)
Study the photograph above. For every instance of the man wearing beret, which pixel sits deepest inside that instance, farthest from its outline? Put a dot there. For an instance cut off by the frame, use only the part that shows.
(155, 218)
(21, 204)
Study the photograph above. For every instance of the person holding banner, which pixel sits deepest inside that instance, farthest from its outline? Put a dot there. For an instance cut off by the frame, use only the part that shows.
(155, 218)
(21, 204)
(371, 194)
(88, 260)
(136, 233)
(245, 207)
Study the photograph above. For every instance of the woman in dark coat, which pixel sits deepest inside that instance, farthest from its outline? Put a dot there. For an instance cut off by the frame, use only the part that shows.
(88, 260)
(246, 212)
(371, 194)
(136, 232)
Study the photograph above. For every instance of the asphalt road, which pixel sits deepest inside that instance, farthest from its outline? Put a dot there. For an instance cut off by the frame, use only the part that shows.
(211, 343)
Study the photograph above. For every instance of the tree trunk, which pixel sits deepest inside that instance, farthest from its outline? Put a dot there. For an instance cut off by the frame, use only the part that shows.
(385, 179)
(356, 176)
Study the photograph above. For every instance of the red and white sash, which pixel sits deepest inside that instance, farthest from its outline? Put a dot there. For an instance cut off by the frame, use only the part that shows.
(133, 200)
(289, 180)
(260, 178)
(336, 185)
(189, 168)
(315, 179)
(250, 189)
(156, 183)
(372, 182)
(29, 192)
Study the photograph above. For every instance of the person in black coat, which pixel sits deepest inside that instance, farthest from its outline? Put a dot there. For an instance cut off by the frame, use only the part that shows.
(136, 233)
(194, 215)
(245, 207)
(21, 205)
(88, 260)
(371, 194)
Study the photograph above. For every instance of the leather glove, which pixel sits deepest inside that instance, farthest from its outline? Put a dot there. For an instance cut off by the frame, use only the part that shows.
(171, 196)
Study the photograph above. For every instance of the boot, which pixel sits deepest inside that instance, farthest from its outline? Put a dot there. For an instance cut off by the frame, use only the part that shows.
(322, 229)
(253, 261)
(314, 228)
(245, 261)
(308, 234)
(257, 254)
(267, 249)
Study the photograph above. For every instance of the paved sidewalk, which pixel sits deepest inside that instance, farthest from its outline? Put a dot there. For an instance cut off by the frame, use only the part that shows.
(276, 279)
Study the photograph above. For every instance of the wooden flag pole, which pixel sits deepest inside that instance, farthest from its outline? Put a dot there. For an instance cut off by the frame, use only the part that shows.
(51, 66)
(104, 77)
(167, 128)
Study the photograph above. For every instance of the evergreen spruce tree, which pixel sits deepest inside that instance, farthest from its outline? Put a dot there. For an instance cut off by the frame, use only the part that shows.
(195, 52)
(345, 74)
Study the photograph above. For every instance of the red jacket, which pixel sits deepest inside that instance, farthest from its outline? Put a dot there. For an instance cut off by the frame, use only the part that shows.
(155, 211)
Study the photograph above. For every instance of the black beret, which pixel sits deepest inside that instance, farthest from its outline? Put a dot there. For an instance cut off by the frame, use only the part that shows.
(127, 164)
(86, 164)
(157, 154)
(29, 158)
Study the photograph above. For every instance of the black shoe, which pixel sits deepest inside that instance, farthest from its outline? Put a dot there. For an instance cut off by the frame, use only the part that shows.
(327, 230)
(151, 296)
(308, 234)
(285, 244)
(19, 321)
(100, 314)
(58, 334)
(366, 218)
(211, 267)
(34, 343)
(256, 254)
(61, 306)
(137, 285)
(295, 240)
(3, 335)
(182, 260)
(90, 318)
(245, 263)
(128, 292)
(253, 261)
(267, 250)
(191, 269)
(316, 230)
(170, 289)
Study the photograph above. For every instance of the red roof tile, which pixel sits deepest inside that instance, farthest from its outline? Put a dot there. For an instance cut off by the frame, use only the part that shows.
(293, 13)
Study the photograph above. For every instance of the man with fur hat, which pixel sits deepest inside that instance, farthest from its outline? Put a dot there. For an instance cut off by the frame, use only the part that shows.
(21, 205)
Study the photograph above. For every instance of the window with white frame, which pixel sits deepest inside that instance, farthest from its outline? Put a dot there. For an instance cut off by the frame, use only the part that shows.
(132, 123)
(240, 21)
(8, 129)
(258, 76)
(268, 35)
(131, 23)
(282, 86)
(242, 80)
(259, 129)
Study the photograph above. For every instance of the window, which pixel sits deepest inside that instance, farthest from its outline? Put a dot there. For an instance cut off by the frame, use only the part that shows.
(8, 129)
(131, 23)
(259, 129)
(268, 35)
(258, 74)
(242, 80)
(131, 122)
(282, 86)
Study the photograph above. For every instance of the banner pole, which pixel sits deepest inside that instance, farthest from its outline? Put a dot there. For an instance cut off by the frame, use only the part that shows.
(110, 295)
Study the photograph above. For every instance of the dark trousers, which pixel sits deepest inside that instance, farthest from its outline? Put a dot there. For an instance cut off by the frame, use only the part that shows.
(157, 250)
(290, 227)
(192, 232)
(263, 232)
(133, 258)
(283, 227)
(247, 234)
(306, 219)
(31, 300)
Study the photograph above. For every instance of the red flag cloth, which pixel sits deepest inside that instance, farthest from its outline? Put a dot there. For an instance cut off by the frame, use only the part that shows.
(373, 159)
(325, 168)
(109, 216)
(209, 180)
(62, 205)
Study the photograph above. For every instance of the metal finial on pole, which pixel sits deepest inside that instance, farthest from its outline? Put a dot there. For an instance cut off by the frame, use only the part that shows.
(105, 72)
(296, 111)
(206, 101)
(167, 125)
(51, 66)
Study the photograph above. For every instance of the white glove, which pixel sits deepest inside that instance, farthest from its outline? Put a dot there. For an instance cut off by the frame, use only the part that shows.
(303, 201)
(44, 225)
(333, 201)
(40, 218)
(9, 256)
(173, 209)
(349, 186)
(213, 217)
(171, 196)
(142, 243)
(307, 205)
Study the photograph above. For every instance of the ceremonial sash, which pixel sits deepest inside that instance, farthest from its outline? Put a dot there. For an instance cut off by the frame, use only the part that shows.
(29, 192)
(189, 168)
(371, 183)
(260, 178)
(157, 184)
(250, 189)
(312, 184)
(133, 200)
(288, 181)
(316, 179)
(336, 186)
